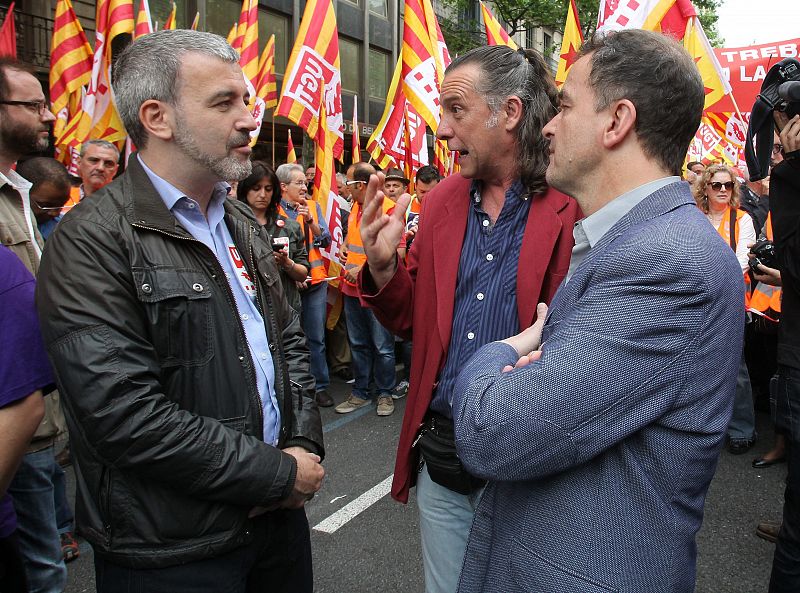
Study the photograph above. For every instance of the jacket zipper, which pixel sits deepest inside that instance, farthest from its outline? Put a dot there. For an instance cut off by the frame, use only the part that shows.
(232, 302)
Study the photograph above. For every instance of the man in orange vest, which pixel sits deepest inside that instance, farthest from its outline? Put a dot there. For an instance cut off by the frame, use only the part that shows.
(98, 164)
(371, 344)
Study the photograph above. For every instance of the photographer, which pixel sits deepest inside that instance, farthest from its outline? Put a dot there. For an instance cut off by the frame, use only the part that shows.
(785, 208)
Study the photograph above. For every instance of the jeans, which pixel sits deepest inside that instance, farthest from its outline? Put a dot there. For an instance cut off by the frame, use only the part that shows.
(278, 560)
(372, 349)
(445, 518)
(312, 318)
(743, 421)
(33, 492)
(785, 576)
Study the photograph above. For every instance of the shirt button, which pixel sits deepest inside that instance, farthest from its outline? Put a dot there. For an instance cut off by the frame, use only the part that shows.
(191, 205)
(263, 356)
(470, 336)
(485, 222)
(241, 358)
(479, 296)
(245, 317)
(489, 257)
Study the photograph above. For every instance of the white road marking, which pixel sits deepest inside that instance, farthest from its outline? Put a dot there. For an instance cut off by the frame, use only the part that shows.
(354, 508)
(338, 498)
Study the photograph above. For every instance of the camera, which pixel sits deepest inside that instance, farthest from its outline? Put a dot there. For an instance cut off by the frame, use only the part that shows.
(764, 252)
(780, 91)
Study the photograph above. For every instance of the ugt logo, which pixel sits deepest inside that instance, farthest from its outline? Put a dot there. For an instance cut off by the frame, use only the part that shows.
(309, 72)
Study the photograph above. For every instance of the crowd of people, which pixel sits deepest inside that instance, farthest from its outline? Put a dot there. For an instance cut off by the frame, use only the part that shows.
(569, 336)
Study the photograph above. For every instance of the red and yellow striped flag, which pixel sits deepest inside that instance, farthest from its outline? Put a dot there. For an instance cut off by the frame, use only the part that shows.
(495, 33)
(570, 44)
(249, 49)
(408, 158)
(356, 147)
(195, 21)
(291, 155)
(236, 35)
(170, 22)
(232, 35)
(70, 57)
(423, 63)
(267, 87)
(144, 23)
(315, 56)
(698, 46)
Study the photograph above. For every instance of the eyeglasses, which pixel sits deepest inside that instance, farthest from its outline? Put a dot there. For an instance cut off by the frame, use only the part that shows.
(352, 182)
(718, 185)
(298, 183)
(47, 208)
(776, 148)
(36, 106)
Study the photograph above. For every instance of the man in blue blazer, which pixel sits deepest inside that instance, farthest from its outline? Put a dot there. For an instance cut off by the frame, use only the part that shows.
(600, 432)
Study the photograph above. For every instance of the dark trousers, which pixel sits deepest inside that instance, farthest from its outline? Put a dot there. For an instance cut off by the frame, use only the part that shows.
(785, 576)
(278, 560)
(12, 572)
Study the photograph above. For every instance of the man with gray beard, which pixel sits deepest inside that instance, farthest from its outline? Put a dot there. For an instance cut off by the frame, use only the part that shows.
(183, 369)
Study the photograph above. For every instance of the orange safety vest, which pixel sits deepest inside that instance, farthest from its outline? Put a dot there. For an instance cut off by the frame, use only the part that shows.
(765, 296)
(74, 200)
(724, 230)
(356, 256)
(316, 261)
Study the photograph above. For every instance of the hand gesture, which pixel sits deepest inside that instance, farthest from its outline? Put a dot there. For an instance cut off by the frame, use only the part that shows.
(308, 480)
(381, 233)
(304, 211)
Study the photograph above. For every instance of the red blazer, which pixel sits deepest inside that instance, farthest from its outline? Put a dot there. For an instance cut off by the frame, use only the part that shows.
(418, 301)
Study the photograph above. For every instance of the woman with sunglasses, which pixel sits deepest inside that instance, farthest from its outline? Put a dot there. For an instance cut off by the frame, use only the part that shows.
(717, 195)
(262, 192)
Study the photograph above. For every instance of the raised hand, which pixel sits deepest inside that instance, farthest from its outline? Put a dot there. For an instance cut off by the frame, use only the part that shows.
(381, 233)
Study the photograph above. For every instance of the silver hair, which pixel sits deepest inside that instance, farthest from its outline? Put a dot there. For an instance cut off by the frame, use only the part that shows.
(523, 74)
(341, 177)
(285, 171)
(101, 144)
(149, 68)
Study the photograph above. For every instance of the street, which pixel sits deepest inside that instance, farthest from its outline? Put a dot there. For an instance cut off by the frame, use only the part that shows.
(365, 542)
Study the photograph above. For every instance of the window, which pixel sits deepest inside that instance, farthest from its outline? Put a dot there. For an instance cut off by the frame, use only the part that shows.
(221, 15)
(350, 60)
(378, 74)
(160, 10)
(378, 7)
(530, 36)
(273, 24)
(547, 45)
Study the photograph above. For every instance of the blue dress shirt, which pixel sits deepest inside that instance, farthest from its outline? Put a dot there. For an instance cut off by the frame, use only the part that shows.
(214, 234)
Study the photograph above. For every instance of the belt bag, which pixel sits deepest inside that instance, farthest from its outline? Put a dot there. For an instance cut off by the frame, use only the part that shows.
(438, 449)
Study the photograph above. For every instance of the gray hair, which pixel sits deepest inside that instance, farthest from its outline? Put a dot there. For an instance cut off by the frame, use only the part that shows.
(101, 144)
(149, 68)
(523, 74)
(341, 178)
(286, 170)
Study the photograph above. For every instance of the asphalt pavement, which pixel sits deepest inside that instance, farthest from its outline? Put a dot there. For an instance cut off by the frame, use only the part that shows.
(365, 542)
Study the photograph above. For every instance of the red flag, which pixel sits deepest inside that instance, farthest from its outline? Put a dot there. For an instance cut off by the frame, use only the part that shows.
(8, 35)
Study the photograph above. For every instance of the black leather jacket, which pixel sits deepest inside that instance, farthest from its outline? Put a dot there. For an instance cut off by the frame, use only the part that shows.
(157, 379)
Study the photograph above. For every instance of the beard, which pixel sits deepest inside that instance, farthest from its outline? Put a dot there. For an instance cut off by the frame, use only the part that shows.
(227, 168)
(22, 139)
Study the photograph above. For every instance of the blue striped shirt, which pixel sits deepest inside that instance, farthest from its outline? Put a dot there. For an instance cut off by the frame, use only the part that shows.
(485, 308)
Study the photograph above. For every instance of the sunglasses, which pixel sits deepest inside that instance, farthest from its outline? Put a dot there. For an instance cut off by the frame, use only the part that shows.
(718, 185)
(352, 182)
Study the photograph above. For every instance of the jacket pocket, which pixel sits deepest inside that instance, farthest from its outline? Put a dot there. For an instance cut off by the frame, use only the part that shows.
(536, 574)
(12, 234)
(177, 303)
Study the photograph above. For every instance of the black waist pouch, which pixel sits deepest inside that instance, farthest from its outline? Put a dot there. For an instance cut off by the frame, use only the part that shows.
(437, 446)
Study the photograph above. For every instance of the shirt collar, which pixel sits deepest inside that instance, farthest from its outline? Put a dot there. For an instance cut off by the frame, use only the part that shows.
(171, 195)
(15, 180)
(593, 227)
(287, 205)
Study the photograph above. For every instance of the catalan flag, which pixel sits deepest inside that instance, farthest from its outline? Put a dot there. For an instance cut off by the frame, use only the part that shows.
(70, 57)
(356, 148)
(195, 21)
(236, 37)
(291, 155)
(8, 34)
(495, 33)
(249, 49)
(423, 64)
(696, 43)
(144, 23)
(267, 87)
(170, 22)
(231, 38)
(570, 44)
(315, 56)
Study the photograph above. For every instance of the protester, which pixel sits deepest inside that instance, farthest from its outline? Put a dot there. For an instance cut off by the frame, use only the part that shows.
(21, 405)
(395, 184)
(184, 370)
(425, 180)
(297, 205)
(50, 187)
(599, 428)
(25, 124)
(493, 241)
(717, 194)
(371, 344)
(262, 192)
(98, 163)
(785, 211)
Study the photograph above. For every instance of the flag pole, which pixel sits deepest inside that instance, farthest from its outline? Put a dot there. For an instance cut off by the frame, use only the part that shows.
(273, 142)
